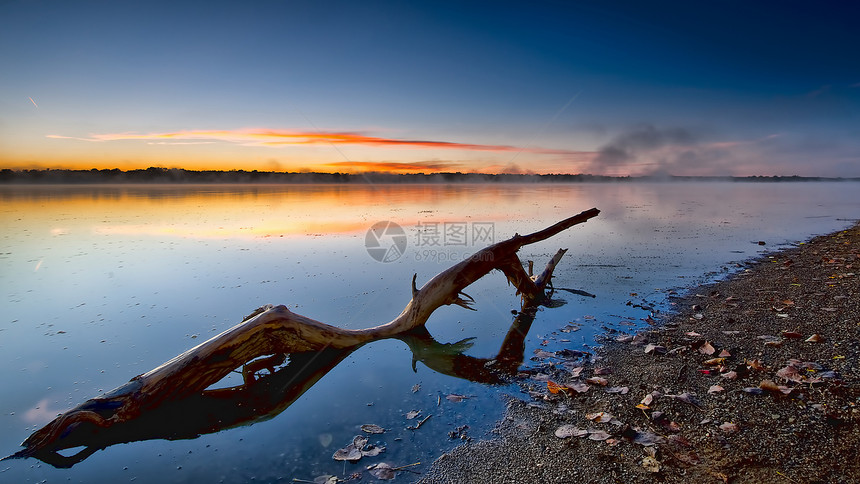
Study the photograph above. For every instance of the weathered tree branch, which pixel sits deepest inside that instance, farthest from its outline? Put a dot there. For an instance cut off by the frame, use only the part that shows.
(264, 337)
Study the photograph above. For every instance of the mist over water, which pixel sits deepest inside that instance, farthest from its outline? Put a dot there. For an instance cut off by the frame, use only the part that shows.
(100, 284)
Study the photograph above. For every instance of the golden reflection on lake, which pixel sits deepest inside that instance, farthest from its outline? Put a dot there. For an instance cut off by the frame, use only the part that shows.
(255, 211)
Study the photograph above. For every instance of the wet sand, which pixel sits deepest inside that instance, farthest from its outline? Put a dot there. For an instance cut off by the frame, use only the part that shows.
(754, 379)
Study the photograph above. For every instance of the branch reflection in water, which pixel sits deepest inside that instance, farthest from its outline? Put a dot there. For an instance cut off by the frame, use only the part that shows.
(266, 392)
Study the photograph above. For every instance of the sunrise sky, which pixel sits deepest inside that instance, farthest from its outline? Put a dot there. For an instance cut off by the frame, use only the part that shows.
(606, 87)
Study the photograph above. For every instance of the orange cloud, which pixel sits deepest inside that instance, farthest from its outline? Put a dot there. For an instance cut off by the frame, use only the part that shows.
(272, 137)
(394, 166)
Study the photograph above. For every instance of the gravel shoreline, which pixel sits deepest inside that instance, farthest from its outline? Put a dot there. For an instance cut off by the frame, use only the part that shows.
(754, 379)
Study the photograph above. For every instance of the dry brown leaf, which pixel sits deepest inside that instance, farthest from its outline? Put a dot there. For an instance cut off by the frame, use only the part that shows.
(789, 373)
(768, 385)
(553, 387)
(412, 414)
(568, 430)
(382, 471)
(579, 387)
(647, 438)
(729, 427)
(621, 390)
(372, 429)
(756, 365)
(598, 435)
(602, 371)
(456, 398)
(651, 348)
(730, 375)
(600, 417)
(596, 380)
(648, 399)
(706, 349)
(687, 397)
(792, 334)
(815, 338)
(541, 354)
(715, 361)
(715, 389)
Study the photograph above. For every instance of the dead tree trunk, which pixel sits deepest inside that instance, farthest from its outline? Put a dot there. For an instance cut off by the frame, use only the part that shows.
(274, 331)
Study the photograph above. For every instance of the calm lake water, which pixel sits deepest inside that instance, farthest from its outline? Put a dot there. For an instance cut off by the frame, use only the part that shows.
(103, 283)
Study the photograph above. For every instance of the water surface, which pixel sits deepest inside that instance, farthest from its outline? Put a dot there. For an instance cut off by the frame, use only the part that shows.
(102, 283)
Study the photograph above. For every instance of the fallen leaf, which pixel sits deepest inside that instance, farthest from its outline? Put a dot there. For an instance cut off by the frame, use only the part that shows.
(693, 334)
(715, 389)
(579, 387)
(598, 435)
(416, 387)
(359, 441)
(373, 451)
(729, 427)
(382, 471)
(325, 479)
(715, 361)
(602, 371)
(412, 414)
(553, 387)
(706, 349)
(789, 373)
(815, 338)
(792, 334)
(596, 380)
(642, 406)
(600, 417)
(724, 354)
(647, 438)
(730, 375)
(541, 354)
(648, 399)
(349, 453)
(372, 429)
(768, 385)
(621, 390)
(651, 348)
(566, 431)
(576, 371)
(456, 398)
(756, 365)
(687, 397)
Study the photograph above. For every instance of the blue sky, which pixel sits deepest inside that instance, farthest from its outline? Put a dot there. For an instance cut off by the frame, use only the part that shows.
(687, 88)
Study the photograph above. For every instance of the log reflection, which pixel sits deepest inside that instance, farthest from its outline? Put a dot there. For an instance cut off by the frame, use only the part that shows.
(264, 393)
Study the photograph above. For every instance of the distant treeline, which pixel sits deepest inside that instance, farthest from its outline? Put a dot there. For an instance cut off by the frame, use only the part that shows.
(178, 175)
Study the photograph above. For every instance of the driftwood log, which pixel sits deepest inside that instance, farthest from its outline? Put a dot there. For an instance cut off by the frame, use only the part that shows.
(177, 400)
